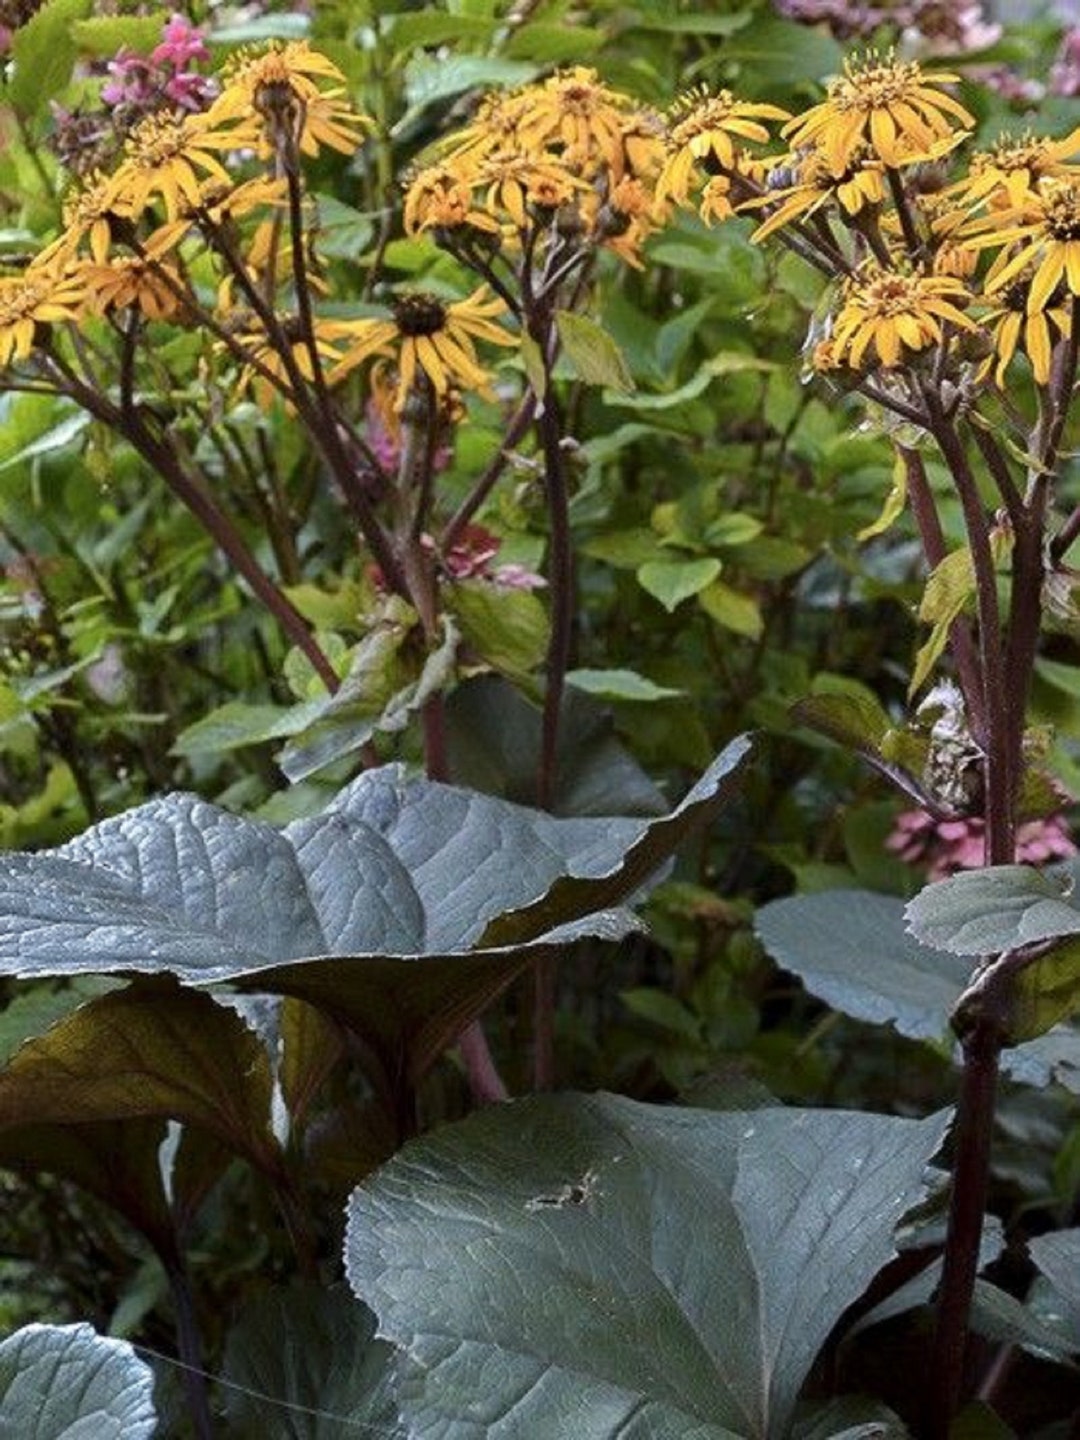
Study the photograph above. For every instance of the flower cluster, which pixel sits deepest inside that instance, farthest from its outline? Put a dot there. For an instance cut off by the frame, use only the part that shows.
(166, 79)
(568, 156)
(942, 847)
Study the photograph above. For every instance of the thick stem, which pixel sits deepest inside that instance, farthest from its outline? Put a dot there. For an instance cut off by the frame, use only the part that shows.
(561, 580)
(961, 642)
(974, 1127)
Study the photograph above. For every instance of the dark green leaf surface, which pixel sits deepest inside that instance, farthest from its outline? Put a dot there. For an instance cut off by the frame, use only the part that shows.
(64, 1382)
(304, 1362)
(596, 1267)
(983, 912)
(376, 909)
(849, 948)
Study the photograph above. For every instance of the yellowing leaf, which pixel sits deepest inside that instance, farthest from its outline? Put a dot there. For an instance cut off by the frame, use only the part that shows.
(894, 504)
(592, 352)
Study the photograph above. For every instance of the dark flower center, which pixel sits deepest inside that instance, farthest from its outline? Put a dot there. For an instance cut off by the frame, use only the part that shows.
(419, 314)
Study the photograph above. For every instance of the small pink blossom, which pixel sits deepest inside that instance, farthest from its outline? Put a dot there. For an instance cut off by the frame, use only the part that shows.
(945, 846)
(181, 44)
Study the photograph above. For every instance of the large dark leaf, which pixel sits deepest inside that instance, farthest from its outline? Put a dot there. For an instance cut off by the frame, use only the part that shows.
(403, 908)
(594, 1267)
(64, 1382)
(304, 1362)
(151, 1050)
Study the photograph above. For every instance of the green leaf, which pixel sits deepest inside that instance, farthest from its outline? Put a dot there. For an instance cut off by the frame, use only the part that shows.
(850, 949)
(43, 53)
(306, 1358)
(533, 360)
(664, 1011)
(408, 31)
(1057, 1255)
(106, 34)
(494, 741)
(508, 629)
(604, 1268)
(378, 909)
(893, 507)
(1045, 992)
(58, 438)
(236, 724)
(430, 78)
(949, 587)
(65, 1382)
(638, 859)
(1000, 907)
(619, 685)
(727, 363)
(593, 353)
(738, 613)
(673, 581)
(856, 721)
(554, 44)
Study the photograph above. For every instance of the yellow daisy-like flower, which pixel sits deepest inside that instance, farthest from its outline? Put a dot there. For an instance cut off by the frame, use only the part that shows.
(1006, 175)
(277, 93)
(440, 197)
(893, 106)
(249, 333)
(513, 183)
(169, 155)
(219, 205)
(894, 312)
(134, 282)
(860, 183)
(1047, 240)
(575, 113)
(89, 214)
(425, 335)
(41, 295)
(1012, 326)
(704, 132)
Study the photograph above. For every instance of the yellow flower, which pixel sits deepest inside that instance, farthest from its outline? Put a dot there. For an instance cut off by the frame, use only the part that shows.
(426, 336)
(440, 197)
(516, 182)
(894, 312)
(573, 112)
(41, 295)
(248, 332)
(89, 213)
(860, 183)
(219, 204)
(1005, 175)
(703, 140)
(893, 106)
(275, 93)
(1047, 240)
(1011, 323)
(168, 155)
(135, 282)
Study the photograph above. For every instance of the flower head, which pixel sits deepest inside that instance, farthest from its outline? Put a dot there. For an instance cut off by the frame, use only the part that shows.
(703, 138)
(1046, 240)
(894, 311)
(427, 337)
(41, 295)
(170, 156)
(945, 846)
(893, 106)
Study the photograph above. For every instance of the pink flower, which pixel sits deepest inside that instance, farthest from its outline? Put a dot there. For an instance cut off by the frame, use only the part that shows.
(182, 43)
(945, 846)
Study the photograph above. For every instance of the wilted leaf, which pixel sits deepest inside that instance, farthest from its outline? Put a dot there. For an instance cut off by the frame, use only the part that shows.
(603, 1268)
(64, 1382)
